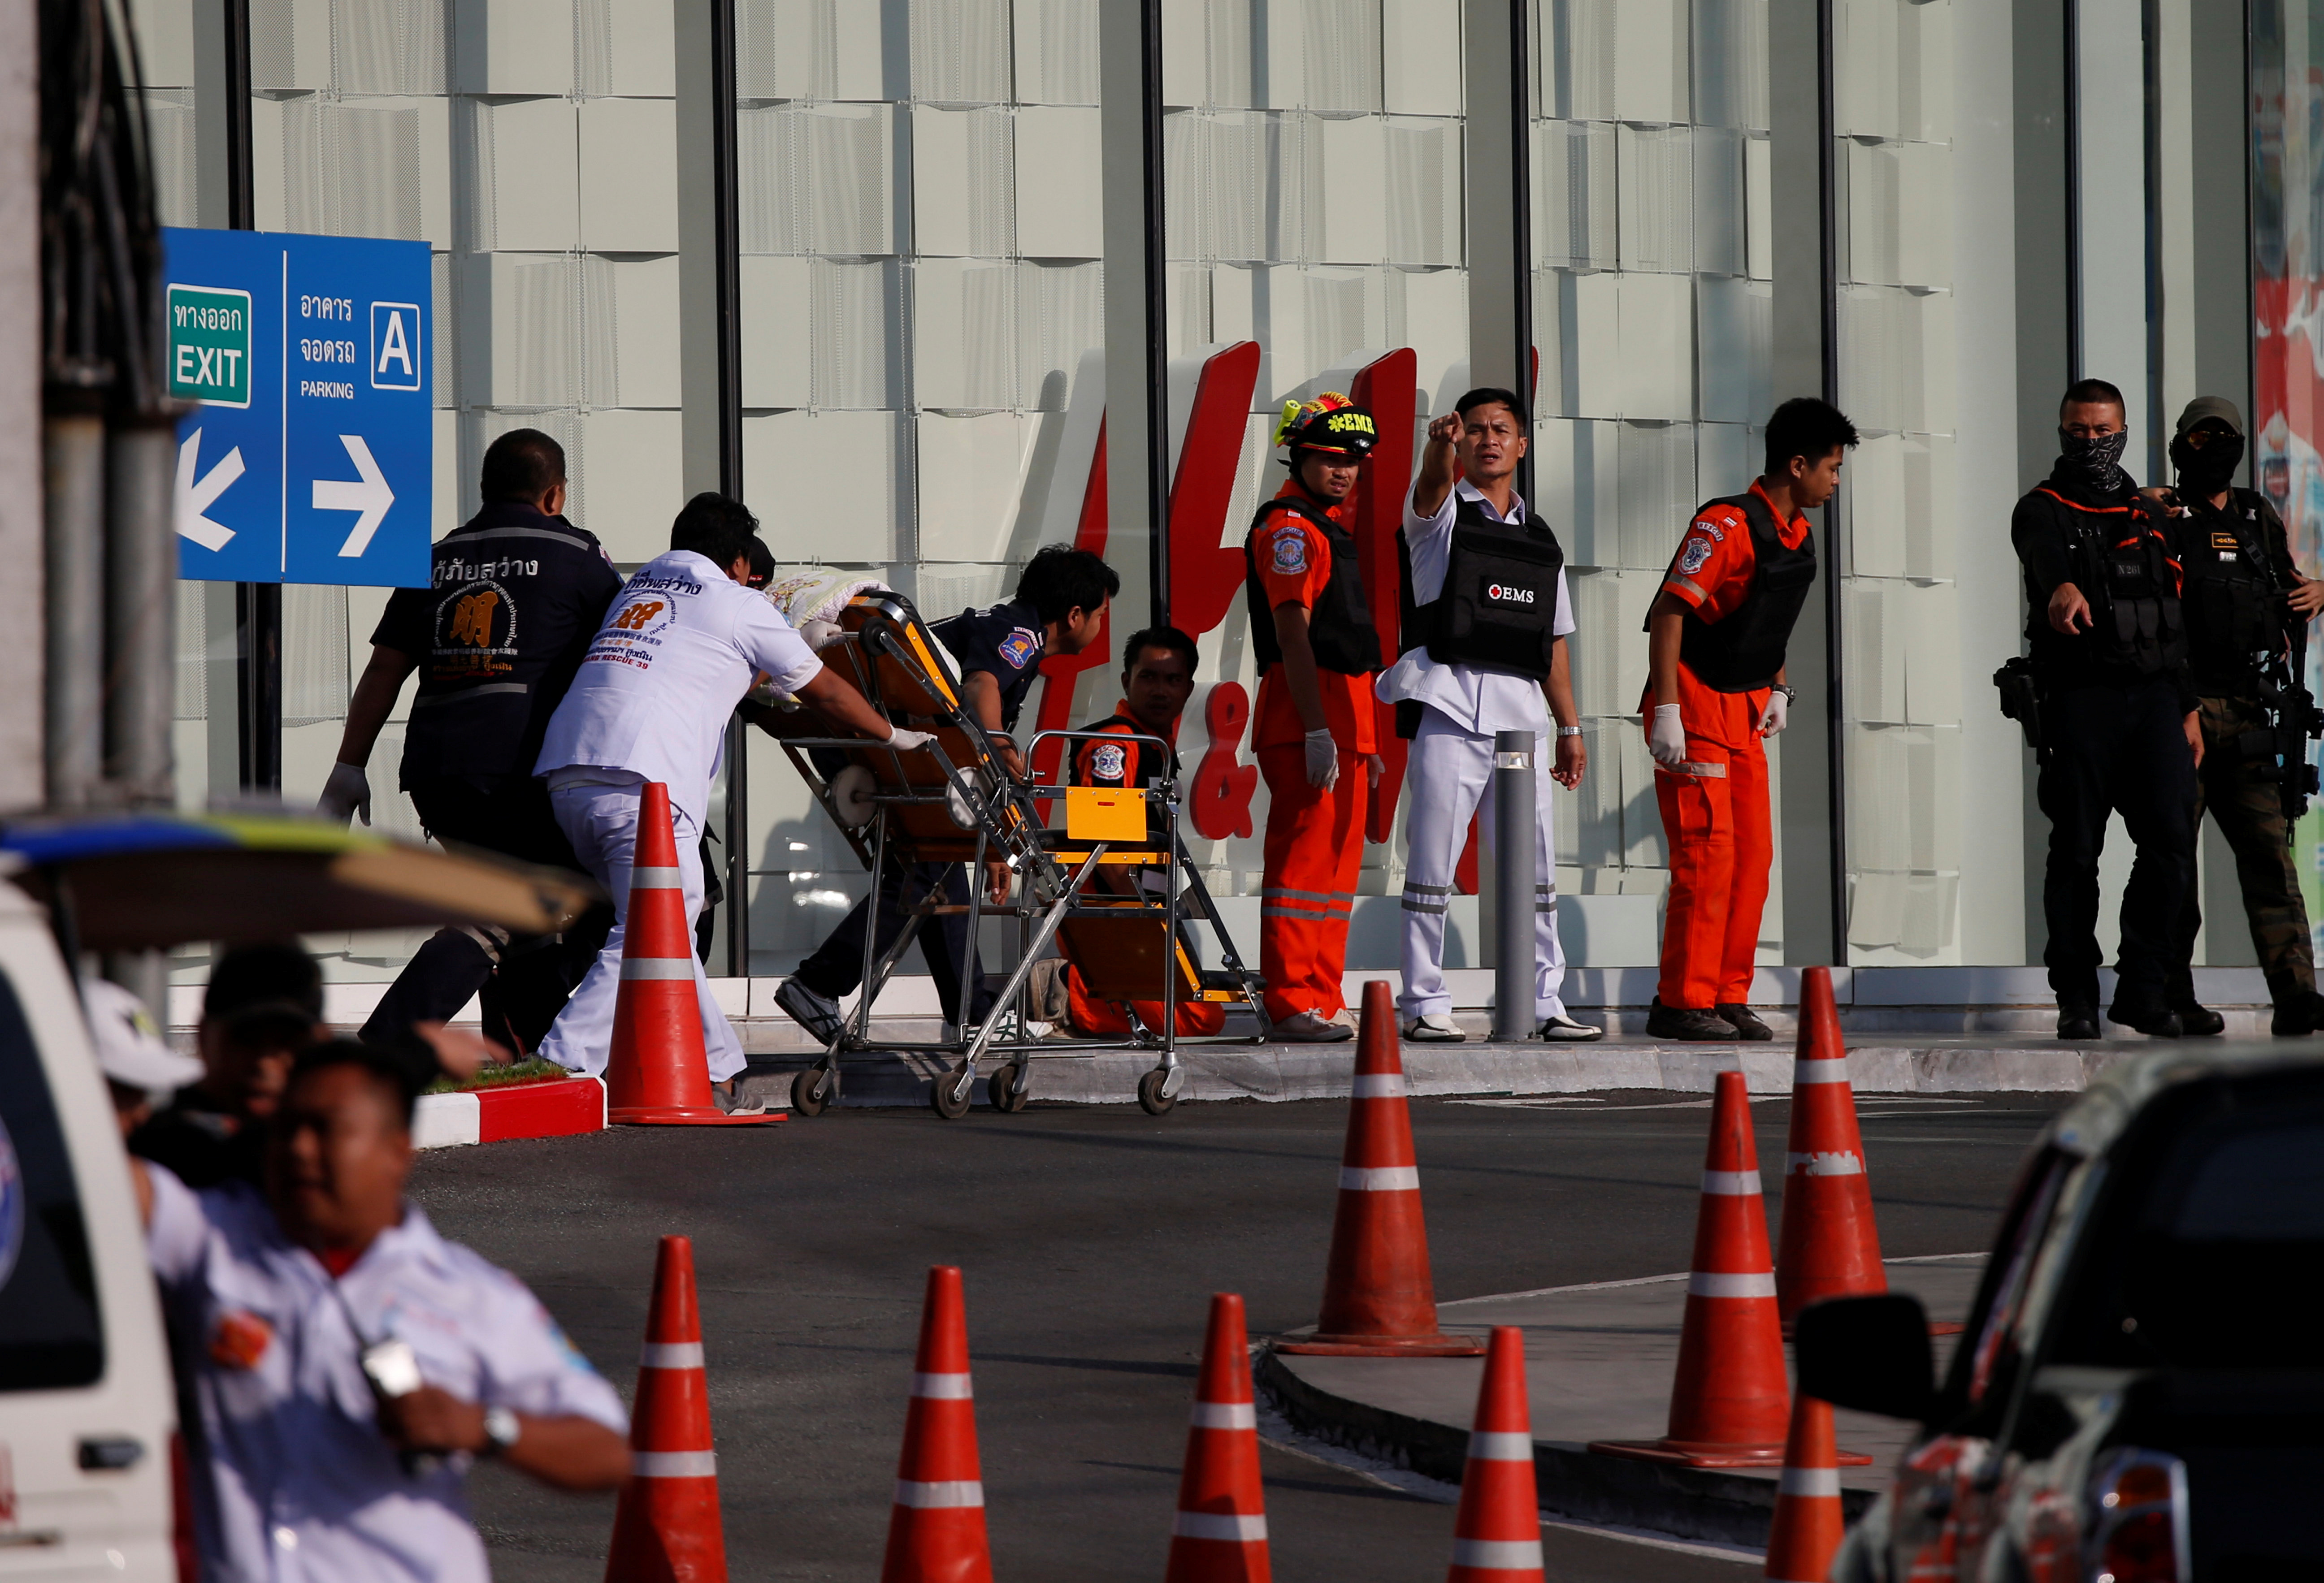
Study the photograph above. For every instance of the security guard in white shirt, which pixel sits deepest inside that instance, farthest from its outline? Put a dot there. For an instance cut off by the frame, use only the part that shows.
(685, 640)
(1485, 623)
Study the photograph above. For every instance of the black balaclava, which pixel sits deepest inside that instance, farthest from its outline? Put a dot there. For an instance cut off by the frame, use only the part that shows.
(2097, 459)
(2207, 469)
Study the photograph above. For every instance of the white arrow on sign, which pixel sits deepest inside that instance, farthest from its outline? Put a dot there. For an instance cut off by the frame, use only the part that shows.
(196, 497)
(370, 496)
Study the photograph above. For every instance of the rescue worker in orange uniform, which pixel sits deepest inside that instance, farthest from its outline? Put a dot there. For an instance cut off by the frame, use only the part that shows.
(1158, 677)
(1311, 629)
(1715, 691)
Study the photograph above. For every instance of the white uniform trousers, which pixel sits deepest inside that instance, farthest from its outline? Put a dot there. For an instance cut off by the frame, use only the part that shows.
(602, 822)
(1448, 777)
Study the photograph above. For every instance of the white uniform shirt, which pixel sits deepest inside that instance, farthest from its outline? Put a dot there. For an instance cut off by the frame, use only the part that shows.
(1473, 698)
(680, 646)
(296, 1482)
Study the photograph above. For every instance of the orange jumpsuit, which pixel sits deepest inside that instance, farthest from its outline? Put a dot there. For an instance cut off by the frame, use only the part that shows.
(1123, 764)
(1714, 808)
(1314, 839)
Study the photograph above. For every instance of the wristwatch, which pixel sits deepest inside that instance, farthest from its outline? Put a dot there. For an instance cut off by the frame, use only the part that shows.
(501, 1431)
(1790, 696)
(1568, 731)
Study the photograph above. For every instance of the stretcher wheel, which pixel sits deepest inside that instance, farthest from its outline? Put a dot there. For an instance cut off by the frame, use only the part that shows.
(851, 790)
(1007, 1090)
(1152, 1098)
(813, 1090)
(963, 802)
(948, 1084)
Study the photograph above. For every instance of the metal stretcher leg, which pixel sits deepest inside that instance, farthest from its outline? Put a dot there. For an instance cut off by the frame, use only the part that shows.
(950, 1096)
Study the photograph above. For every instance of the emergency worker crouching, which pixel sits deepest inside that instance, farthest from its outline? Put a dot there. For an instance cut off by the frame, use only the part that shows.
(2118, 717)
(1310, 629)
(1485, 619)
(1715, 691)
(2245, 605)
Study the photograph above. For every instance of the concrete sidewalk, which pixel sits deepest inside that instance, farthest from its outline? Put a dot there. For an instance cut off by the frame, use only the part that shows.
(1598, 1363)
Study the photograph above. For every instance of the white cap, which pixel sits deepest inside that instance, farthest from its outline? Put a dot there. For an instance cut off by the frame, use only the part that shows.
(130, 1049)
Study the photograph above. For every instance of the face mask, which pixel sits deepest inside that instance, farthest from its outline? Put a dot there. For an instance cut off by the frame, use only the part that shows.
(2098, 459)
(2208, 469)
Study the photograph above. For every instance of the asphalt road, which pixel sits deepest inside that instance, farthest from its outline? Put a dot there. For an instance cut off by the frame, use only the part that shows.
(1092, 1238)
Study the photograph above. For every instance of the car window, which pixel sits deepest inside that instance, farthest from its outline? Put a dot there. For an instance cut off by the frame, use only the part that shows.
(51, 1333)
(1987, 1362)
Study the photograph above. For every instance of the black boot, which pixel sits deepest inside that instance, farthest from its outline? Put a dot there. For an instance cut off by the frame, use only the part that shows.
(1687, 1023)
(2297, 1013)
(2078, 1022)
(1745, 1022)
(2198, 1021)
(2151, 1017)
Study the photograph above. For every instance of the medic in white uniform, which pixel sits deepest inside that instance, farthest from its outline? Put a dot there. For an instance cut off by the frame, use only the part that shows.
(685, 640)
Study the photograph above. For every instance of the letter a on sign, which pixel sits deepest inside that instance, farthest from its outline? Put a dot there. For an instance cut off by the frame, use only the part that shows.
(393, 364)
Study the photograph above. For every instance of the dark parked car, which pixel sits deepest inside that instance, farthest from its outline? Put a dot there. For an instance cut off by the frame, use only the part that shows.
(2139, 1395)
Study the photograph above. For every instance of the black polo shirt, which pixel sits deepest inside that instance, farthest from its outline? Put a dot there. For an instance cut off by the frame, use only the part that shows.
(1005, 641)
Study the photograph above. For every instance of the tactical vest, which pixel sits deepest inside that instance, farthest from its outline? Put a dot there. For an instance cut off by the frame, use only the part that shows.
(2230, 599)
(1340, 628)
(2128, 574)
(1499, 603)
(1743, 650)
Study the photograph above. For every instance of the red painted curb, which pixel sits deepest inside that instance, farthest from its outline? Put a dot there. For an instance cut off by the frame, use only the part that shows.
(557, 1107)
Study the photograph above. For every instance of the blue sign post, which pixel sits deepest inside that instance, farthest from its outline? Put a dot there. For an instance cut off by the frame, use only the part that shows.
(311, 454)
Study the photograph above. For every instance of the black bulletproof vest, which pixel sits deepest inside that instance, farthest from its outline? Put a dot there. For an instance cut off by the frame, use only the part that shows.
(2133, 584)
(1743, 650)
(1340, 624)
(2230, 599)
(1499, 604)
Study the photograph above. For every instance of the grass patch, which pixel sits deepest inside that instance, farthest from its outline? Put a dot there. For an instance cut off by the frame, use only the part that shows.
(493, 1077)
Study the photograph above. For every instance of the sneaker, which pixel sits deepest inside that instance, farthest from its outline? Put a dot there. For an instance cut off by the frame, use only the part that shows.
(2153, 1019)
(1435, 1028)
(2298, 1013)
(1693, 1025)
(817, 1013)
(2199, 1022)
(1564, 1029)
(1305, 1027)
(2078, 1022)
(1745, 1022)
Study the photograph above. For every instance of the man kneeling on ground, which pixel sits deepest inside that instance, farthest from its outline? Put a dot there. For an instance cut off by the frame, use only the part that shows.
(349, 1364)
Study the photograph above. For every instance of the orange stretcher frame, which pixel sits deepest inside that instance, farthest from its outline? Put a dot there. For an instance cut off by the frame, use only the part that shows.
(956, 801)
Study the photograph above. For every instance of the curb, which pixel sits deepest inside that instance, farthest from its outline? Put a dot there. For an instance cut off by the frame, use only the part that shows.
(1685, 1502)
(557, 1107)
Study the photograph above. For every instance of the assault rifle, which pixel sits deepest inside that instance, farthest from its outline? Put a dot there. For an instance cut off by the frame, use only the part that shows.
(2279, 750)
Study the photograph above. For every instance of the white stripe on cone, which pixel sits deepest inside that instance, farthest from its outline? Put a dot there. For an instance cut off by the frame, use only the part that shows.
(1379, 1178)
(1731, 1183)
(1379, 1085)
(1499, 1445)
(1221, 1525)
(949, 1492)
(1809, 1481)
(646, 877)
(656, 967)
(1498, 1554)
(1225, 1416)
(1725, 1284)
(944, 1387)
(670, 1355)
(1831, 1163)
(1825, 1071)
(673, 1464)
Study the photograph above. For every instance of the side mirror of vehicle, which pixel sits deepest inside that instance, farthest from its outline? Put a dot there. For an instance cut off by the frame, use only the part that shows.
(1868, 1354)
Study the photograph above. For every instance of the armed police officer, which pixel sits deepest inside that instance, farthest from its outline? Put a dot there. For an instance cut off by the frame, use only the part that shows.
(2118, 722)
(2247, 607)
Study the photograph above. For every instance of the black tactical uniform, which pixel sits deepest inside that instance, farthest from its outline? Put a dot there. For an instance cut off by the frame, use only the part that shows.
(516, 597)
(2114, 697)
(2239, 570)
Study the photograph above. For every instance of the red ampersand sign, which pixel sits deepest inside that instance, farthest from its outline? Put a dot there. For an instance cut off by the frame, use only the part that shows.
(1220, 802)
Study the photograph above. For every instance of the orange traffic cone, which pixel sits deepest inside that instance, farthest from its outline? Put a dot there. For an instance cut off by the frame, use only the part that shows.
(665, 1529)
(1378, 1300)
(1220, 1534)
(1730, 1400)
(658, 1072)
(1829, 1245)
(1497, 1536)
(1808, 1520)
(936, 1529)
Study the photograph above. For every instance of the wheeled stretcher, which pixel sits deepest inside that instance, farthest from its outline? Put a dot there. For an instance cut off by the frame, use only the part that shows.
(956, 801)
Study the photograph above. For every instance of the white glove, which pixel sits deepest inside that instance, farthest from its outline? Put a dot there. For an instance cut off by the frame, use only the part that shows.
(1776, 716)
(1667, 738)
(907, 740)
(819, 634)
(347, 792)
(1322, 759)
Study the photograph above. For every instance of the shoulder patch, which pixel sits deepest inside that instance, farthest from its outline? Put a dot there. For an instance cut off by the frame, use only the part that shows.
(1290, 552)
(1020, 646)
(1695, 555)
(1109, 762)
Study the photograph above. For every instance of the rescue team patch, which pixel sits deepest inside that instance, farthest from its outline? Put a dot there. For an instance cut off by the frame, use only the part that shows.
(1108, 762)
(240, 1339)
(1693, 557)
(1020, 647)
(1290, 549)
(2224, 541)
